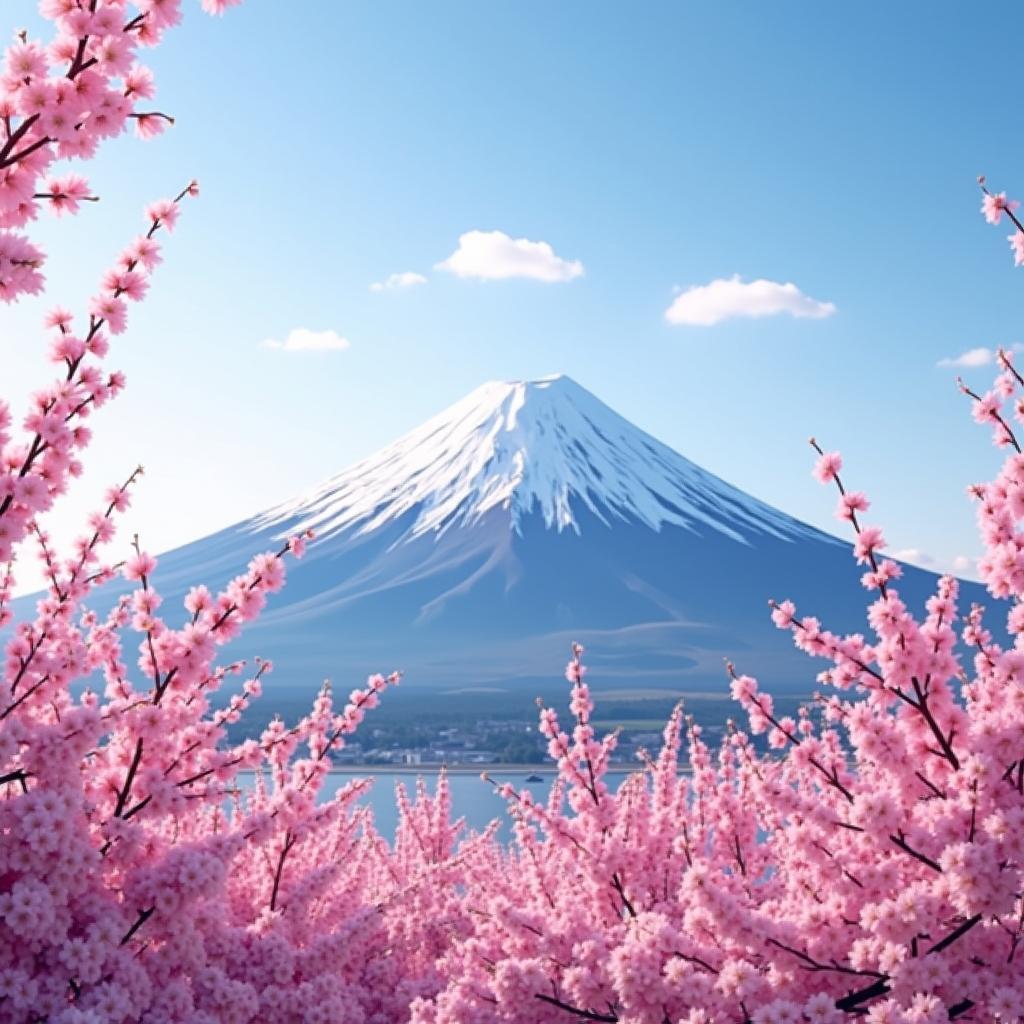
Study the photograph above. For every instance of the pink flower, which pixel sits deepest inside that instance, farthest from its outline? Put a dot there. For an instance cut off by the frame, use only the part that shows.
(143, 250)
(110, 310)
(993, 205)
(827, 467)
(117, 498)
(783, 614)
(163, 213)
(129, 283)
(269, 570)
(743, 689)
(148, 126)
(574, 671)
(59, 123)
(869, 540)
(140, 565)
(1017, 245)
(66, 193)
(58, 318)
(106, 21)
(198, 600)
(850, 504)
(1005, 384)
(139, 83)
(219, 6)
(986, 409)
(25, 61)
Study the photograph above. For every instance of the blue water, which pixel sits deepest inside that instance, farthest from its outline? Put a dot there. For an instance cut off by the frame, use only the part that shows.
(472, 798)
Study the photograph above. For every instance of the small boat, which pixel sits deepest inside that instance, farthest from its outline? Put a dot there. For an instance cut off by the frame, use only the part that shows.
(534, 778)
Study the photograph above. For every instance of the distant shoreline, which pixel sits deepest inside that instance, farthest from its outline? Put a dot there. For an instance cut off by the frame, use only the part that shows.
(469, 769)
(436, 766)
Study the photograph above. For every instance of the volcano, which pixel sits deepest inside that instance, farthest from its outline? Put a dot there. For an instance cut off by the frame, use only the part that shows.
(474, 549)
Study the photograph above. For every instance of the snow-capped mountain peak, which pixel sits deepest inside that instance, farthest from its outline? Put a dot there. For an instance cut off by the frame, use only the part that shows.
(545, 447)
(473, 550)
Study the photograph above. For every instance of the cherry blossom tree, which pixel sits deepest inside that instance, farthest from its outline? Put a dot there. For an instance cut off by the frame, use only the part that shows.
(149, 869)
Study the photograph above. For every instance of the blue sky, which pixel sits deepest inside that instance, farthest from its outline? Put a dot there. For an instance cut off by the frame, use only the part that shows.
(662, 145)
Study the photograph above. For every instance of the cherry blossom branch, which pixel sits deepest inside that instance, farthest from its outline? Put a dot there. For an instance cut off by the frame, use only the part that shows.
(569, 1008)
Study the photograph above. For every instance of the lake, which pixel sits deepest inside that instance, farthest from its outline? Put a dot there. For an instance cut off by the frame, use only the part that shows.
(472, 798)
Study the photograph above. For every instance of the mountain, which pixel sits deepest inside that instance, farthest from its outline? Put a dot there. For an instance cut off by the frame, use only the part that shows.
(471, 551)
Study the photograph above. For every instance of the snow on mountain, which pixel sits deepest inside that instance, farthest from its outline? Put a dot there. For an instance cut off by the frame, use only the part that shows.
(473, 550)
(545, 447)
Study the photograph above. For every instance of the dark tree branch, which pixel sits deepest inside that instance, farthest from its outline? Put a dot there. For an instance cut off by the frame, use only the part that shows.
(585, 1014)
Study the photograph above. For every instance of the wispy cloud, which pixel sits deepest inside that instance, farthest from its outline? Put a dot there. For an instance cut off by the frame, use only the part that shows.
(915, 556)
(959, 565)
(975, 357)
(494, 256)
(727, 297)
(972, 357)
(394, 282)
(300, 339)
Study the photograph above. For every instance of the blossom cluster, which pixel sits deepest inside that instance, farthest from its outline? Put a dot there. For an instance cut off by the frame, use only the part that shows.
(994, 205)
(35, 469)
(862, 859)
(60, 100)
(149, 868)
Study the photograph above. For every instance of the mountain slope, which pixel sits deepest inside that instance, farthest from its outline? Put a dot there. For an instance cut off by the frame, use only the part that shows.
(546, 447)
(471, 551)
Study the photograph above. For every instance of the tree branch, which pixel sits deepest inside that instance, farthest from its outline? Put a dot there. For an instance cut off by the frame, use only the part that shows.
(585, 1014)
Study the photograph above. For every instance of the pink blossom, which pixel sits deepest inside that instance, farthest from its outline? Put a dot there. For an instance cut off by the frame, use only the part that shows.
(1016, 241)
(25, 61)
(993, 206)
(986, 409)
(58, 318)
(198, 600)
(143, 250)
(110, 311)
(129, 283)
(148, 126)
(827, 467)
(850, 504)
(66, 194)
(218, 6)
(163, 213)
(783, 614)
(743, 689)
(139, 83)
(139, 566)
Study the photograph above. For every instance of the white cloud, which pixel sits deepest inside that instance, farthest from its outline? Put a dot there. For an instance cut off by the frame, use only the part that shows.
(406, 279)
(915, 556)
(975, 357)
(726, 297)
(972, 357)
(959, 565)
(494, 256)
(300, 339)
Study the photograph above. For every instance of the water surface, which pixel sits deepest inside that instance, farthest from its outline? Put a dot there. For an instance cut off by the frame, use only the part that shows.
(472, 798)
